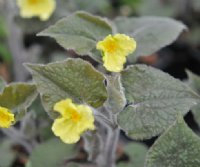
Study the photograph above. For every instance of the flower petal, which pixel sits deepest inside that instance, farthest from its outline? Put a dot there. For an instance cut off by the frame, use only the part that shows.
(39, 8)
(6, 117)
(114, 63)
(66, 130)
(87, 118)
(65, 107)
(126, 44)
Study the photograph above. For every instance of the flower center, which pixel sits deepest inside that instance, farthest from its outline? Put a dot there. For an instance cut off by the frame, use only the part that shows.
(33, 2)
(111, 46)
(75, 116)
(4, 117)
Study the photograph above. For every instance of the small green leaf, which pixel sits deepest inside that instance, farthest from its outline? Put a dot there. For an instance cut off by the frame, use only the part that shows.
(116, 99)
(136, 153)
(74, 78)
(150, 33)
(154, 100)
(52, 153)
(177, 147)
(18, 97)
(79, 32)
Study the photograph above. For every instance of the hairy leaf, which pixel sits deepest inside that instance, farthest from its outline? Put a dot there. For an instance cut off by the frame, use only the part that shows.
(194, 82)
(178, 146)
(79, 32)
(74, 78)
(154, 100)
(18, 97)
(150, 33)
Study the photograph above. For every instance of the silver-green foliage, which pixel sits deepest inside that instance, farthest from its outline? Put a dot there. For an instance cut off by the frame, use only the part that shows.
(194, 83)
(155, 98)
(151, 33)
(73, 78)
(177, 147)
(18, 97)
(79, 32)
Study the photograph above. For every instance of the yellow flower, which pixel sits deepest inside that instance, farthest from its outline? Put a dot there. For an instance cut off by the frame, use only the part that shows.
(73, 121)
(6, 118)
(115, 49)
(36, 8)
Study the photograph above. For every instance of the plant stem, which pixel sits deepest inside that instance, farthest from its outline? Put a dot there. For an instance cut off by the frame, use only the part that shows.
(108, 156)
(111, 147)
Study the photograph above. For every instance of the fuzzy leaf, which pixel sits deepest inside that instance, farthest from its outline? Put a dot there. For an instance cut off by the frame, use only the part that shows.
(51, 153)
(136, 153)
(194, 82)
(155, 98)
(150, 33)
(74, 78)
(79, 32)
(18, 97)
(178, 146)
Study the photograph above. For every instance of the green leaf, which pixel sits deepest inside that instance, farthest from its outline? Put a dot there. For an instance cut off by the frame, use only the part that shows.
(7, 156)
(196, 113)
(178, 146)
(194, 82)
(157, 8)
(154, 100)
(74, 78)
(116, 99)
(79, 32)
(51, 153)
(137, 153)
(150, 33)
(18, 97)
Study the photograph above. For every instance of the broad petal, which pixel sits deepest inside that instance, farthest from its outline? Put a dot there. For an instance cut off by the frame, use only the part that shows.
(65, 107)
(66, 130)
(113, 62)
(87, 118)
(127, 45)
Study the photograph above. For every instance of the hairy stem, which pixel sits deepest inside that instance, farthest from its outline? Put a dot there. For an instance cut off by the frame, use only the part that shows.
(107, 158)
(111, 147)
